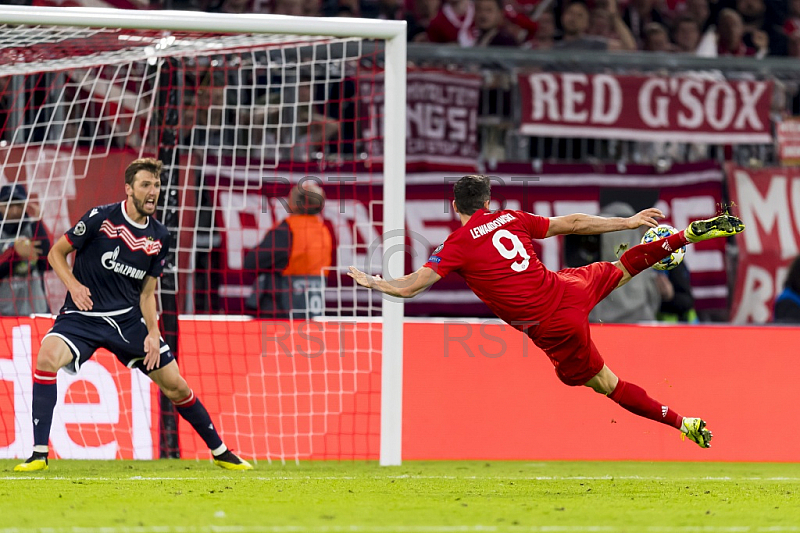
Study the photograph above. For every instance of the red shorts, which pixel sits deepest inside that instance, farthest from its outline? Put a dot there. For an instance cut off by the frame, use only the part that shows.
(564, 336)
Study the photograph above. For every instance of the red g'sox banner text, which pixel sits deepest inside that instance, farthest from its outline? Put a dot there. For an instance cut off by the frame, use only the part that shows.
(645, 108)
(768, 201)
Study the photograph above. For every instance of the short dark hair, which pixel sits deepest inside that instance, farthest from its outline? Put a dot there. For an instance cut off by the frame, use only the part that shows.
(150, 164)
(471, 193)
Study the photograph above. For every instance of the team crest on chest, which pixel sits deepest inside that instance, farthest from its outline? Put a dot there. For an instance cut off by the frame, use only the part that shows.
(145, 244)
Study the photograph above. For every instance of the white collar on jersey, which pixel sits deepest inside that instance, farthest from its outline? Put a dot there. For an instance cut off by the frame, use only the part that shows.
(130, 220)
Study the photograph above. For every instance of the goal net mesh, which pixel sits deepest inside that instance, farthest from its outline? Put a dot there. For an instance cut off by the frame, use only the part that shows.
(288, 369)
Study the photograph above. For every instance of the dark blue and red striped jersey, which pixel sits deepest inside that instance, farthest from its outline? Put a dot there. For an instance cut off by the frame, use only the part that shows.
(114, 254)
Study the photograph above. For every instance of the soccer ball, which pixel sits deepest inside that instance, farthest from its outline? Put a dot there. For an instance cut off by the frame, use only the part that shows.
(662, 232)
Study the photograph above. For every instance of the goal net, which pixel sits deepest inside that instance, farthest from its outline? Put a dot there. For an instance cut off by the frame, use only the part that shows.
(291, 360)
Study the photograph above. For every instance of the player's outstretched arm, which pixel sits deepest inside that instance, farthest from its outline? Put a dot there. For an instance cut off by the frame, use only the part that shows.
(406, 287)
(58, 261)
(580, 224)
(147, 303)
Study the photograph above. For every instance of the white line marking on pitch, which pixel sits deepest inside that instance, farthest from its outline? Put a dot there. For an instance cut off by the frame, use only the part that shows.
(404, 476)
(398, 529)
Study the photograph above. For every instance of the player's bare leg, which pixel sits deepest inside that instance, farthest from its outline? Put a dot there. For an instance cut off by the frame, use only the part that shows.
(174, 387)
(54, 354)
(635, 399)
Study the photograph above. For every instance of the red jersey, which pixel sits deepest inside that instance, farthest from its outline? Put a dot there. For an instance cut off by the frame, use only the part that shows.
(494, 253)
(448, 27)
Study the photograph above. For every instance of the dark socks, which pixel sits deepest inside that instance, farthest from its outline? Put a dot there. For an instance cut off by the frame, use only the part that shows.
(45, 394)
(195, 413)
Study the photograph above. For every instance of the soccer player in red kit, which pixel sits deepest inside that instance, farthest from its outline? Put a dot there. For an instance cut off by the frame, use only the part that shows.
(494, 253)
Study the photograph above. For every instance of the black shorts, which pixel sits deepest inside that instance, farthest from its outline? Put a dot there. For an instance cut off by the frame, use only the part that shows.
(123, 335)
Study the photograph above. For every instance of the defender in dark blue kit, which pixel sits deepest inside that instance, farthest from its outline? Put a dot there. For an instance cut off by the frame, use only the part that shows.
(120, 253)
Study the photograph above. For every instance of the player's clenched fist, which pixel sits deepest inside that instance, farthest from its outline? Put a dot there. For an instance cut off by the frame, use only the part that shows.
(82, 296)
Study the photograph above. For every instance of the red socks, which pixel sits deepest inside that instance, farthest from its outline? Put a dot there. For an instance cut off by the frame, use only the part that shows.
(643, 256)
(635, 399)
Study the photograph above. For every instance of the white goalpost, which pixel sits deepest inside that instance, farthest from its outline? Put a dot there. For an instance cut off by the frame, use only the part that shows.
(239, 108)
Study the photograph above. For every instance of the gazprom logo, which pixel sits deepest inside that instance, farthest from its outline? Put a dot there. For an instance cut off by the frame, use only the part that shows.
(109, 261)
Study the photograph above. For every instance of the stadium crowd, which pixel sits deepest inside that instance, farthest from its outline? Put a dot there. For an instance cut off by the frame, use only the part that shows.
(706, 28)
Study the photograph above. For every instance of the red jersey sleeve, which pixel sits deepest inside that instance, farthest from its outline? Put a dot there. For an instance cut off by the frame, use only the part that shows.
(535, 225)
(445, 258)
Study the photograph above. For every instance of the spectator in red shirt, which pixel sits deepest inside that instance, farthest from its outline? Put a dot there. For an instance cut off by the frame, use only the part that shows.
(422, 12)
(454, 23)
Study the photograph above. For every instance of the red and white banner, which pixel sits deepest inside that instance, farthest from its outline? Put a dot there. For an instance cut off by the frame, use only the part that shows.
(645, 108)
(441, 117)
(686, 193)
(768, 201)
(788, 134)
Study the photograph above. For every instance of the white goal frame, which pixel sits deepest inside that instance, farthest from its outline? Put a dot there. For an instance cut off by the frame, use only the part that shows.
(394, 152)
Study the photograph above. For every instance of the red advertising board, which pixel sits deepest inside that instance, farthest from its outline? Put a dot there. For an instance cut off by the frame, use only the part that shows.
(768, 201)
(471, 390)
(645, 108)
(106, 411)
(488, 393)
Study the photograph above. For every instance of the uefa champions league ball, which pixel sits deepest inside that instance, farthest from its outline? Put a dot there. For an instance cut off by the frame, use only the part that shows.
(662, 232)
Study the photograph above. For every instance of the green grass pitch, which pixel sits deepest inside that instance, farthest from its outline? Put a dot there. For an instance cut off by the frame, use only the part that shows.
(437, 497)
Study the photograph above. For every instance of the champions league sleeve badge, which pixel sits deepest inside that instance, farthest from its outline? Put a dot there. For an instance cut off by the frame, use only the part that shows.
(80, 228)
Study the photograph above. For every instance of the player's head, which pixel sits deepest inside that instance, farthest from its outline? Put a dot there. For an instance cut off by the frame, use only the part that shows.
(472, 193)
(143, 184)
(12, 202)
(306, 198)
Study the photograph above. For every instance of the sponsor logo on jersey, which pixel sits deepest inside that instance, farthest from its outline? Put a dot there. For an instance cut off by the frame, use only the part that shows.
(483, 229)
(434, 259)
(80, 228)
(134, 243)
(109, 261)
